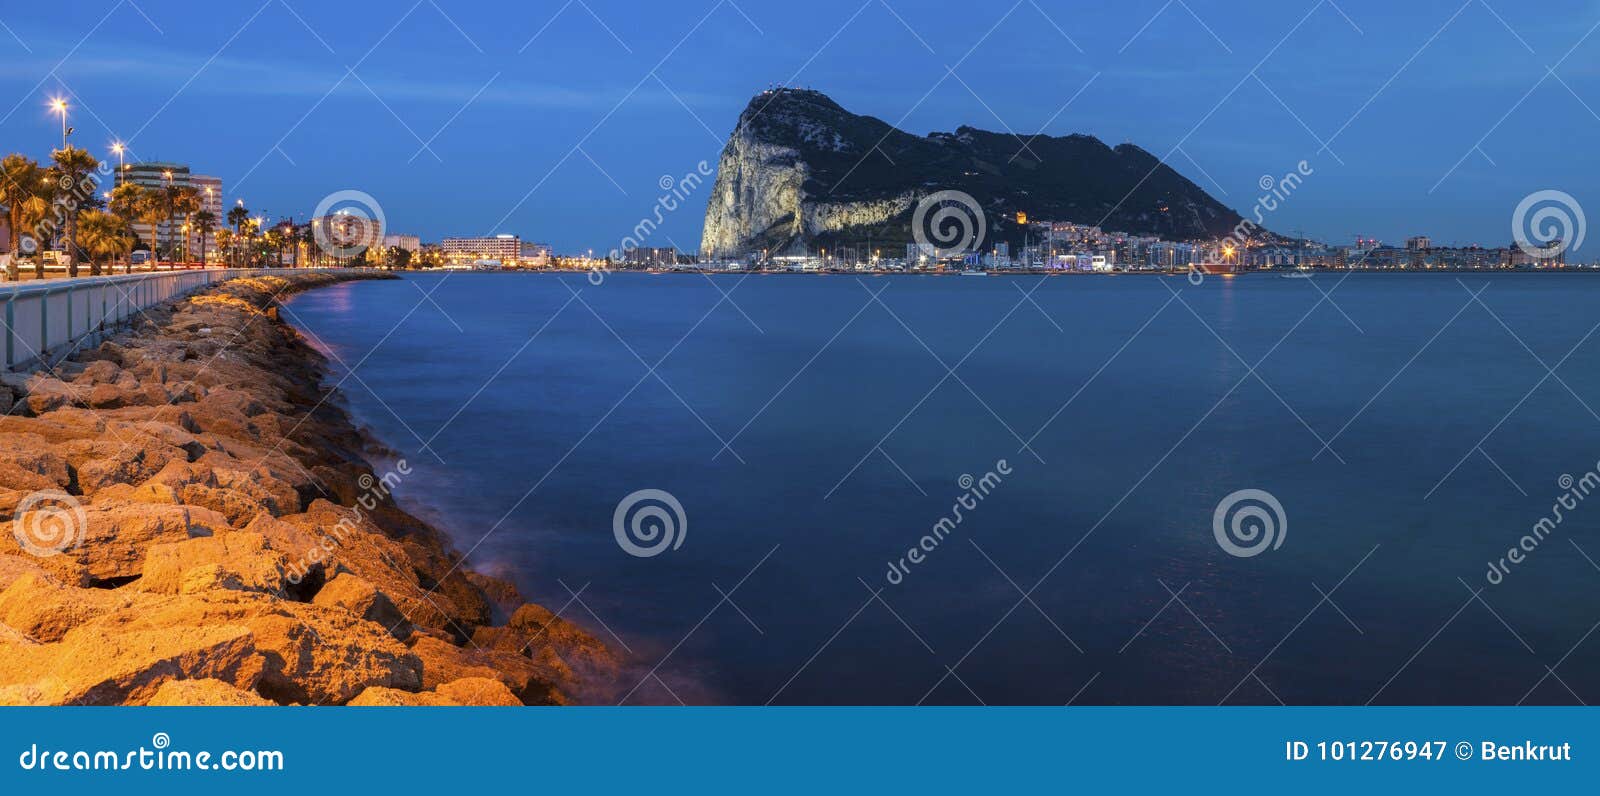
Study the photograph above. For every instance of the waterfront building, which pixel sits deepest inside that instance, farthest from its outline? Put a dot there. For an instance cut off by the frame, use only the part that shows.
(465, 251)
(158, 176)
(410, 243)
(536, 255)
(347, 231)
(651, 256)
(209, 189)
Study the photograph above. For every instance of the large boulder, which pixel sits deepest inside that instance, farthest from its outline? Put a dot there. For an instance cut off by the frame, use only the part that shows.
(562, 653)
(29, 463)
(207, 692)
(381, 697)
(478, 691)
(472, 691)
(96, 665)
(358, 596)
(443, 662)
(118, 458)
(235, 561)
(108, 542)
(45, 609)
(47, 394)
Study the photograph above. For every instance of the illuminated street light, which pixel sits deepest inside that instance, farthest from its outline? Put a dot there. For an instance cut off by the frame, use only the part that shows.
(59, 105)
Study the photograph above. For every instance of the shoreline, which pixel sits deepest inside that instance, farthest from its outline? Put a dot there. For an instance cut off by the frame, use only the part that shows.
(196, 519)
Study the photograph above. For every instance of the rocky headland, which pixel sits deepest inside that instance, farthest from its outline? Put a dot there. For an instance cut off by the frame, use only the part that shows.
(192, 522)
(801, 172)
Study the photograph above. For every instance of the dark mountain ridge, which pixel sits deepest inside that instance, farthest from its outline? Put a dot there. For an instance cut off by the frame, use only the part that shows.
(800, 172)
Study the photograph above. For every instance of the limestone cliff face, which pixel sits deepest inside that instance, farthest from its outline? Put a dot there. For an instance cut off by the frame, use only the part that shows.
(777, 178)
(758, 193)
(800, 172)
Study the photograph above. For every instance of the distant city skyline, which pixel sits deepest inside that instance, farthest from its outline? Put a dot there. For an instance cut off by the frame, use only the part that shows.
(558, 122)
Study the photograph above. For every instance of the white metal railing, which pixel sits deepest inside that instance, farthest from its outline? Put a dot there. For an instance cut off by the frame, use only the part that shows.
(48, 315)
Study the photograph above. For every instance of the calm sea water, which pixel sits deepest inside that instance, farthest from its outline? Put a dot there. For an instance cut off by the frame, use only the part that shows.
(814, 435)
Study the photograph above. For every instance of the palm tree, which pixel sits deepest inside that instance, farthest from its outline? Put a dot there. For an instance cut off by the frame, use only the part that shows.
(273, 239)
(103, 235)
(204, 222)
(19, 192)
(127, 203)
(237, 216)
(73, 173)
(185, 200)
(44, 199)
(227, 242)
(153, 210)
(297, 236)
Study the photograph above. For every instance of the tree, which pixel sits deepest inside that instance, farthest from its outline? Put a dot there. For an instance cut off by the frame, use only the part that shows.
(103, 235)
(303, 237)
(128, 201)
(19, 192)
(204, 222)
(238, 216)
(154, 210)
(226, 241)
(74, 178)
(273, 241)
(185, 202)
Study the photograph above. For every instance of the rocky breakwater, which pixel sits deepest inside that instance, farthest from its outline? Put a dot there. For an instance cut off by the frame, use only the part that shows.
(188, 520)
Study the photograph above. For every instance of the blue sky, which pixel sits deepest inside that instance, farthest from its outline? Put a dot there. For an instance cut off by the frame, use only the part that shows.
(557, 120)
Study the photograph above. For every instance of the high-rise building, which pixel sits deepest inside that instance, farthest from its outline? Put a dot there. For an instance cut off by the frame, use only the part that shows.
(209, 190)
(410, 243)
(651, 256)
(158, 176)
(503, 248)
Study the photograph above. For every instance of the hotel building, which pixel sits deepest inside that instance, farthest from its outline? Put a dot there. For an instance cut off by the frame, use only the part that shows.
(210, 191)
(346, 234)
(506, 249)
(410, 243)
(157, 176)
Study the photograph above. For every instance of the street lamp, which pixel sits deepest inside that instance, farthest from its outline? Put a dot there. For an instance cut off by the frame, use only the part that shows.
(59, 105)
(118, 148)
